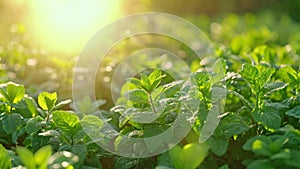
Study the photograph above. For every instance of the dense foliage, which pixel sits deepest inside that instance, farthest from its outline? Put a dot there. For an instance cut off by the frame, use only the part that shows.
(259, 127)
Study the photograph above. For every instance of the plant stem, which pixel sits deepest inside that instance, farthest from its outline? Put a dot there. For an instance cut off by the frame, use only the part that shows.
(151, 103)
(257, 100)
(48, 116)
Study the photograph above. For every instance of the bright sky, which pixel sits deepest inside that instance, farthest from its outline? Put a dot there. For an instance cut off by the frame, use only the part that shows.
(66, 25)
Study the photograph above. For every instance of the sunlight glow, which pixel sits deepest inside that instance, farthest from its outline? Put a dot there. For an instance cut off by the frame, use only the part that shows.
(65, 25)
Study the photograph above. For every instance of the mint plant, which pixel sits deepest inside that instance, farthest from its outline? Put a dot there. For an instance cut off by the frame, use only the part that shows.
(255, 84)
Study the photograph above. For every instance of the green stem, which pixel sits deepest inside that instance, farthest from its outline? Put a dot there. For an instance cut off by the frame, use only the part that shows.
(48, 116)
(257, 100)
(151, 103)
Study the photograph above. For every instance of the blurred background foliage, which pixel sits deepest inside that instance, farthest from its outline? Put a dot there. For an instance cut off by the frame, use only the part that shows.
(240, 30)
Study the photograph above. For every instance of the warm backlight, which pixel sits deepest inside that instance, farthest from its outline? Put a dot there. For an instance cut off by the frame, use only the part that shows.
(66, 25)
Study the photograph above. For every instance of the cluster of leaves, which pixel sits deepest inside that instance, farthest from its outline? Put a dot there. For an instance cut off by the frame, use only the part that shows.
(261, 114)
(257, 128)
(43, 128)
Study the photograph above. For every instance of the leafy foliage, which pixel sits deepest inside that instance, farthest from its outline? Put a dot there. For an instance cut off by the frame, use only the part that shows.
(258, 128)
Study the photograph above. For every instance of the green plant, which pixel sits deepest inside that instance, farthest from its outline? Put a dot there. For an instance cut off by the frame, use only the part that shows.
(258, 128)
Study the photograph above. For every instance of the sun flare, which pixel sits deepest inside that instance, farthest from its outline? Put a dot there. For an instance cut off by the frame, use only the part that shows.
(65, 25)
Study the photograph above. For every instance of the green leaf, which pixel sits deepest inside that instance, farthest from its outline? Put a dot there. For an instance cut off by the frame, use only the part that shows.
(135, 81)
(39, 141)
(16, 134)
(257, 164)
(249, 104)
(11, 123)
(26, 156)
(137, 115)
(66, 121)
(5, 161)
(219, 67)
(42, 155)
(294, 112)
(163, 160)
(145, 82)
(233, 124)
(294, 160)
(14, 93)
(162, 167)
(259, 145)
(81, 151)
(31, 106)
(211, 123)
(218, 94)
(200, 78)
(171, 88)
(155, 78)
(219, 145)
(62, 104)
(236, 45)
(34, 124)
(92, 125)
(274, 86)
(225, 166)
(188, 157)
(22, 109)
(287, 73)
(249, 73)
(47, 100)
(285, 154)
(269, 117)
(219, 70)
(137, 96)
(264, 76)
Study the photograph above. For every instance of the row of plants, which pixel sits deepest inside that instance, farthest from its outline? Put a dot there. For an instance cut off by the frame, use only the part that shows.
(258, 128)
(22, 60)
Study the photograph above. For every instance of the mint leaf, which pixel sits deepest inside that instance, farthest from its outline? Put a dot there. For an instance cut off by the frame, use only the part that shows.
(31, 106)
(135, 81)
(145, 82)
(91, 125)
(259, 145)
(249, 73)
(269, 117)
(137, 96)
(264, 77)
(34, 124)
(274, 86)
(11, 123)
(5, 161)
(42, 155)
(287, 73)
(155, 78)
(218, 145)
(200, 78)
(15, 92)
(62, 104)
(233, 124)
(265, 164)
(66, 121)
(294, 112)
(27, 157)
(188, 157)
(12, 92)
(47, 100)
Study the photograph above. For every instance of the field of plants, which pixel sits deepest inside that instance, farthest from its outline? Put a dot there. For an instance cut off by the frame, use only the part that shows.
(258, 124)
